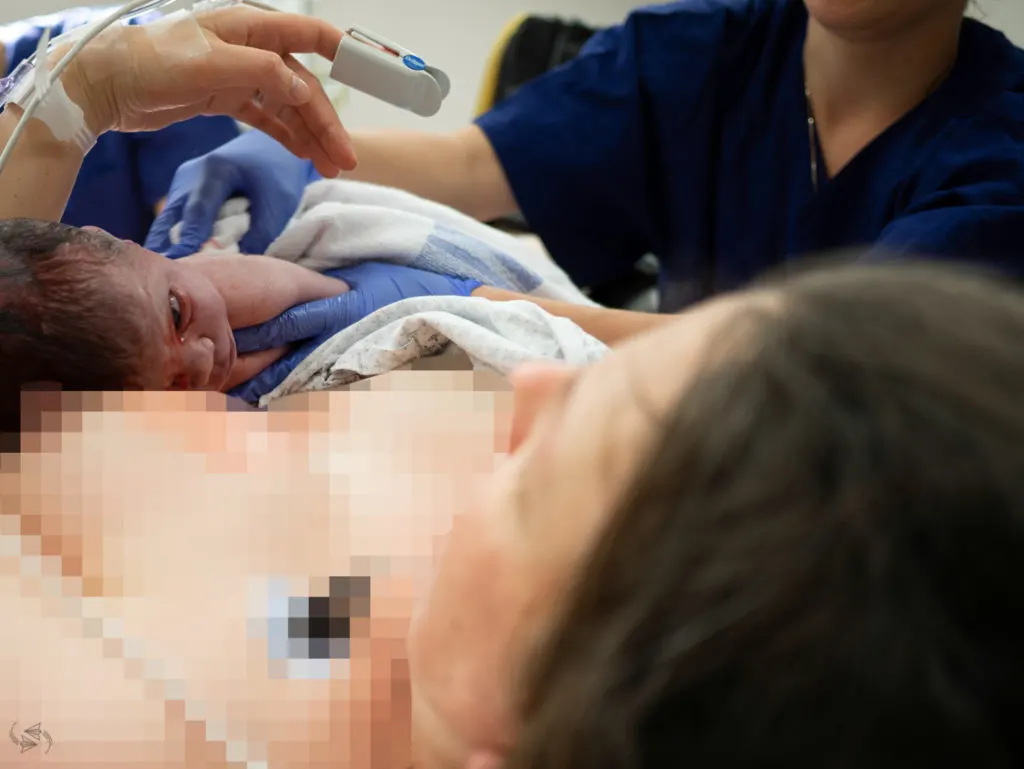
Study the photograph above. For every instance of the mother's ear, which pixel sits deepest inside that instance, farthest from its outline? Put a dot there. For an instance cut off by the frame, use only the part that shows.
(483, 760)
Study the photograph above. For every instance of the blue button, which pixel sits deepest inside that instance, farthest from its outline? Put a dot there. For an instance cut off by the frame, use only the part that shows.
(415, 63)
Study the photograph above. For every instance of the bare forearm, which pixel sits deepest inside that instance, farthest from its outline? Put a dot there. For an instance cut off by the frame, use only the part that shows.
(41, 173)
(610, 326)
(458, 169)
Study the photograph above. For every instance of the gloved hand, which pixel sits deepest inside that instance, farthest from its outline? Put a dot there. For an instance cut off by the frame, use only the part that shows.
(253, 166)
(373, 285)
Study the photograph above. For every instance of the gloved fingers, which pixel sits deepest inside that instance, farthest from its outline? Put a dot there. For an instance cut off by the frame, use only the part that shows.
(273, 375)
(159, 238)
(267, 219)
(356, 273)
(249, 366)
(294, 325)
(216, 184)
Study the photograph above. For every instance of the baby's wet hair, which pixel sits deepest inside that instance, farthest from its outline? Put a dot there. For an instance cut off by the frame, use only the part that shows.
(62, 319)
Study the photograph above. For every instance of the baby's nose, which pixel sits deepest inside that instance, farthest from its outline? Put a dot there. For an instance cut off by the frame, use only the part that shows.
(198, 362)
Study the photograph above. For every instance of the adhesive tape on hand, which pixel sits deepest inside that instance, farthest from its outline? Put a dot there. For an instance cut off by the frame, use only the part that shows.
(175, 38)
(62, 116)
(179, 37)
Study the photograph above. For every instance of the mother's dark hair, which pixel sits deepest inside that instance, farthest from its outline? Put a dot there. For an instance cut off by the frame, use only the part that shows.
(822, 564)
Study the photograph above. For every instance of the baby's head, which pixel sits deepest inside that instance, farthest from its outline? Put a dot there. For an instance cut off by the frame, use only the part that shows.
(87, 311)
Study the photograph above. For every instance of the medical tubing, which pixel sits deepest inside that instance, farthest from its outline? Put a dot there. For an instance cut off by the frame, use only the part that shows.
(126, 11)
(37, 98)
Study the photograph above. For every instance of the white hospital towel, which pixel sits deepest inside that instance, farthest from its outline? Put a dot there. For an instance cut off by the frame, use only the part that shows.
(342, 223)
(496, 336)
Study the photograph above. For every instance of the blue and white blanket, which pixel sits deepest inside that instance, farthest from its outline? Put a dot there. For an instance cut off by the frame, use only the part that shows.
(342, 223)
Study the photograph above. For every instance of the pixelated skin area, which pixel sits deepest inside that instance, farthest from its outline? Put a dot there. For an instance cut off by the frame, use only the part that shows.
(178, 521)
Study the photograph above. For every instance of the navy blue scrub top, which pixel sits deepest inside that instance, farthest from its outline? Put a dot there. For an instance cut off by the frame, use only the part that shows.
(683, 133)
(125, 175)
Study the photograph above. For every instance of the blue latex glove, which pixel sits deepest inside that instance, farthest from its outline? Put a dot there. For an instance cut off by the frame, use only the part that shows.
(374, 285)
(253, 166)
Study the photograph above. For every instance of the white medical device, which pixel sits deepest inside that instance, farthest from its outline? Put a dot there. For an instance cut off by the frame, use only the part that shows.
(383, 69)
(365, 62)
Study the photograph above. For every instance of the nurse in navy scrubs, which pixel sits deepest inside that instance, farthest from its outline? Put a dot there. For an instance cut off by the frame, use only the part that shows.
(125, 177)
(728, 137)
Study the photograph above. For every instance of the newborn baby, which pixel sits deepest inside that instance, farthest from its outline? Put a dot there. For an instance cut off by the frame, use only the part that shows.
(83, 309)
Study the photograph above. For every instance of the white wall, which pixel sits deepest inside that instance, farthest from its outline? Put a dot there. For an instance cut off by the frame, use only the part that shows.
(1007, 15)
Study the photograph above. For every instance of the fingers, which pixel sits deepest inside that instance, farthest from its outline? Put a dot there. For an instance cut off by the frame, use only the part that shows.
(249, 366)
(310, 131)
(303, 322)
(159, 238)
(202, 209)
(283, 33)
(266, 221)
(291, 94)
(270, 378)
(252, 115)
(316, 124)
(250, 69)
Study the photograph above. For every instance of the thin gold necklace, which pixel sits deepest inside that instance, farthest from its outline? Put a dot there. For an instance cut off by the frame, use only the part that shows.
(812, 124)
(812, 138)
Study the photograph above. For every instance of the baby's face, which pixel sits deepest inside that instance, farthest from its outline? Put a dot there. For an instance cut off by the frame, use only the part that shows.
(191, 344)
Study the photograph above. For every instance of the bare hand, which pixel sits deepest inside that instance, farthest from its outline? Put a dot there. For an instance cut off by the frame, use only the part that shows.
(139, 79)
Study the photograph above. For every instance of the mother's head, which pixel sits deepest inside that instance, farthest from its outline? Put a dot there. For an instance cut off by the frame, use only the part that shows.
(787, 529)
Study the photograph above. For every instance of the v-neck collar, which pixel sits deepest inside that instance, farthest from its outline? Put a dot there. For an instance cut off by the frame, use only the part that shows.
(904, 131)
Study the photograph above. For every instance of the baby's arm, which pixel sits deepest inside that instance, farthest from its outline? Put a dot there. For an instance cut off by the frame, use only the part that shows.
(259, 288)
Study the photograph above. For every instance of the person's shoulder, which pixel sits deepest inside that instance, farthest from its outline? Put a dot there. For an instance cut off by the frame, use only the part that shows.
(985, 113)
(990, 75)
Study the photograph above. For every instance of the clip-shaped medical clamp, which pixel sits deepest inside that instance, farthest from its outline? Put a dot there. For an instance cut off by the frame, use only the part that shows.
(387, 71)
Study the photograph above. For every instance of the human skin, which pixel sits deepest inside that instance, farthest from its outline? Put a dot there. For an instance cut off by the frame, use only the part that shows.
(188, 309)
(346, 484)
(134, 85)
(867, 63)
(530, 526)
(424, 484)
